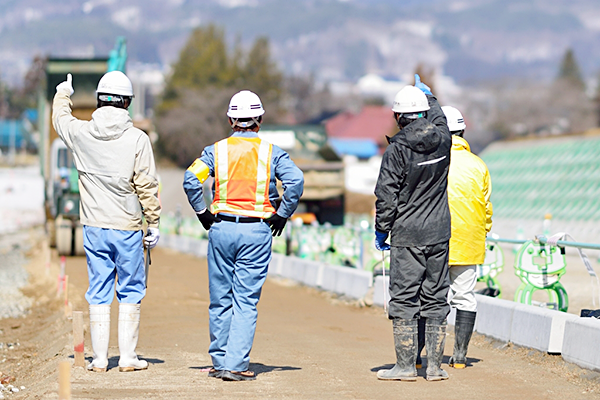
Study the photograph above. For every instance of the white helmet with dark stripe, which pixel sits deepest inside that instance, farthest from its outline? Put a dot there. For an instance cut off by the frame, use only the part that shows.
(245, 104)
(456, 122)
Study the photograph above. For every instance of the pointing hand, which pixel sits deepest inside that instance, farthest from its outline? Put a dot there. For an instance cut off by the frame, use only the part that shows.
(66, 87)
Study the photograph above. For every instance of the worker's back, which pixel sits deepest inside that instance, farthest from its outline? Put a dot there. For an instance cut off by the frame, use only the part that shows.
(106, 151)
(243, 176)
(469, 190)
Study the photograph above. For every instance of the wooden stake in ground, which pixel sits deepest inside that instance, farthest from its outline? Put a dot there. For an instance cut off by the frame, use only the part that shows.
(68, 310)
(61, 276)
(64, 380)
(78, 339)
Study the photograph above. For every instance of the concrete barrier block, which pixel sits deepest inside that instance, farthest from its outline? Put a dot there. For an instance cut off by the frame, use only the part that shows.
(580, 344)
(181, 244)
(494, 317)
(557, 334)
(297, 268)
(198, 247)
(531, 326)
(311, 273)
(347, 281)
(164, 241)
(275, 265)
(352, 282)
(288, 267)
(379, 288)
(328, 278)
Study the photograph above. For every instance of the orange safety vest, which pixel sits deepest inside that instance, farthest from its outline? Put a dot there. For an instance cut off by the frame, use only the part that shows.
(242, 176)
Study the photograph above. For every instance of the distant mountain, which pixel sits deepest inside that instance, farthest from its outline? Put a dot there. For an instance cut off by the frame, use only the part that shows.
(469, 40)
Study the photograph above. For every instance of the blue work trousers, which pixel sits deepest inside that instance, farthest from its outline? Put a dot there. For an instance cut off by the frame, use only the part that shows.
(238, 259)
(114, 253)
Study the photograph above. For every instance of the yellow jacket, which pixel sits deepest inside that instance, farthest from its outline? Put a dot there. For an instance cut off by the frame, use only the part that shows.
(469, 190)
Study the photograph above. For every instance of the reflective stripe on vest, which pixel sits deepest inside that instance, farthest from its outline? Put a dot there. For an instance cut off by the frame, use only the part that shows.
(242, 177)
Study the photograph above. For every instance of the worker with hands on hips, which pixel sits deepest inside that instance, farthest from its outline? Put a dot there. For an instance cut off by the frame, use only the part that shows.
(241, 222)
(412, 205)
(117, 183)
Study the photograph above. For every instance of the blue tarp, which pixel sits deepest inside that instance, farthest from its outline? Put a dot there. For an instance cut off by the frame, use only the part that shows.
(361, 148)
(31, 114)
(12, 133)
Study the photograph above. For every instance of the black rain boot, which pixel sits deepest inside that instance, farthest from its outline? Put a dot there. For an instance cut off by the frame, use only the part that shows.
(435, 339)
(421, 341)
(405, 341)
(463, 329)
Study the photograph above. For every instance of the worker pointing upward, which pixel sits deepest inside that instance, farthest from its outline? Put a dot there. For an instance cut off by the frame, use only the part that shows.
(412, 208)
(241, 220)
(117, 182)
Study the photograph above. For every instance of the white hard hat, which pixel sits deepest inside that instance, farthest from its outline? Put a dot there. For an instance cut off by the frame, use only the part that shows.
(410, 100)
(456, 122)
(115, 82)
(245, 104)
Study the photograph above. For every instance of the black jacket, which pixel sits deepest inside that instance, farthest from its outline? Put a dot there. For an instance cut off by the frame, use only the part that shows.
(412, 198)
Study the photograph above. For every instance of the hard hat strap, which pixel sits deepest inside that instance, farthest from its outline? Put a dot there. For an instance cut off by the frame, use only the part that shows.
(245, 124)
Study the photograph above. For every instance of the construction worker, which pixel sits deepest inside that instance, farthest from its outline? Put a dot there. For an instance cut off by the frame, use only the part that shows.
(412, 205)
(117, 182)
(242, 218)
(469, 190)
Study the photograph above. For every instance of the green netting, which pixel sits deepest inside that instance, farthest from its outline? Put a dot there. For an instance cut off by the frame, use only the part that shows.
(546, 176)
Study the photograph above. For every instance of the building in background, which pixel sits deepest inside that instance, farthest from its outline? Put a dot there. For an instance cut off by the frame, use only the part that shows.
(324, 189)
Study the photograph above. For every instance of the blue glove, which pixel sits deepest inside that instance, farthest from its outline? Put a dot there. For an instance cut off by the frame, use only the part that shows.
(420, 85)
(380, 239)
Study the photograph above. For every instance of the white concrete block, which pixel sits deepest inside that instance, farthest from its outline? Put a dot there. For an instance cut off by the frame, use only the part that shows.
(531, 327)
(288, 268)
(580, 344)
(347, 281)
(275, 265)
(494, 317)
(557, 334)
(539, 328)
(311, 273)
(181, 244)
(354, 283)
(379, 288)
(297, 268)
(329, 278)
(165, 241)
(198, 247)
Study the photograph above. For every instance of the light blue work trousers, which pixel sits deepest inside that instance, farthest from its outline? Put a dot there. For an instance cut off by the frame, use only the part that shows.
(238, 259)
(111, 253)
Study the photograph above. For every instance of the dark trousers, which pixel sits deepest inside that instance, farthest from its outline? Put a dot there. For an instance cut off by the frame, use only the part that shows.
(419, 281)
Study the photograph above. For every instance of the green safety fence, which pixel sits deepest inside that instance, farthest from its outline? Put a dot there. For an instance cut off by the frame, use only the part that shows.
(351, 245)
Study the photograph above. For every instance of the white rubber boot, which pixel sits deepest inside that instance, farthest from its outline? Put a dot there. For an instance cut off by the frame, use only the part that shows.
(129, 328)
(100, 332)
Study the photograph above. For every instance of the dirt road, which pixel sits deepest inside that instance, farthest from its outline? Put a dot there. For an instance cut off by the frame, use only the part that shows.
(308, 346)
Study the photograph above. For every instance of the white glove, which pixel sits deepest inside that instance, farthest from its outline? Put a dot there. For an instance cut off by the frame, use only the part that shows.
(152, 237)
(66, 87)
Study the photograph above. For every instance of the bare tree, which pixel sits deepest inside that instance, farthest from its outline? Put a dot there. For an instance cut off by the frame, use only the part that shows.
(199, 120)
